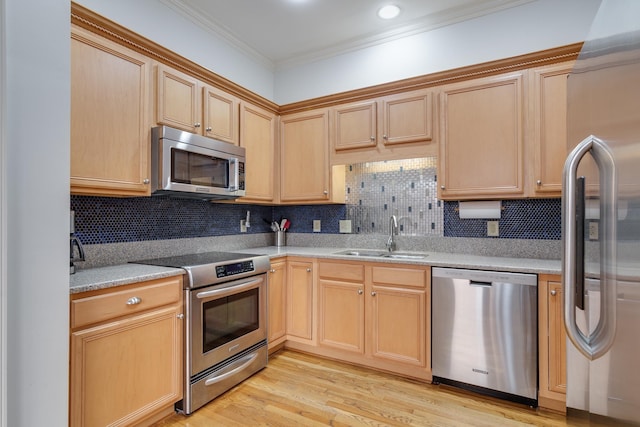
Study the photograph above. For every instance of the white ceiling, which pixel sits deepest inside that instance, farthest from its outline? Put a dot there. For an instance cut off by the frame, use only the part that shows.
(287, 32)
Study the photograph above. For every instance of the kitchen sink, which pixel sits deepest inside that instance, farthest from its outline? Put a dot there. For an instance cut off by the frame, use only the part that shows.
(382, 254)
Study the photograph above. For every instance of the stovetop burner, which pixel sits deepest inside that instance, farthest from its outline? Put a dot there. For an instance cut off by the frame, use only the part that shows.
(209, 268)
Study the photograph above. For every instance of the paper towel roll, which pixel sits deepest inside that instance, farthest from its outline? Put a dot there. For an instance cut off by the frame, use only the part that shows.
(489, 209)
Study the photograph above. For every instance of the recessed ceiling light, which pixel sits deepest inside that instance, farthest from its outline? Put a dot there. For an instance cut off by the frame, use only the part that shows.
(389, 11)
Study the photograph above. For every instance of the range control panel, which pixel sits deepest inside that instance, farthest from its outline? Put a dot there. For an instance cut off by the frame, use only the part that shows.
(234, 268)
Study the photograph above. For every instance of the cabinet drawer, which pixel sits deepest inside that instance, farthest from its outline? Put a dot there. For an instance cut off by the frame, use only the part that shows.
(110, 305)
(336, 270)
(399, 276)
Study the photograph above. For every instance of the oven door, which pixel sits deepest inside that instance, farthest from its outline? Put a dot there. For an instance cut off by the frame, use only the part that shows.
(224, 320)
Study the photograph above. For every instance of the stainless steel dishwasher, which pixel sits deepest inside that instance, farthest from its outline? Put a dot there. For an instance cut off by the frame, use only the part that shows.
(484, 332)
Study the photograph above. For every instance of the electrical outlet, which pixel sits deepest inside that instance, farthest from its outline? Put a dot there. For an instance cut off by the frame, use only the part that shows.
(345, 226)
(317, 226)
(243, 225)
(593, 230)
(493, 229)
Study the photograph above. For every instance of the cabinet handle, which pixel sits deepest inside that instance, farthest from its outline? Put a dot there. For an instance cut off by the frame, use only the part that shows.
(196, 125)
(134, 300)
(538, 183)
(208, 129)
(180, 316)
(553, 293)
(373, 294)
(360, 291)
(308, 270)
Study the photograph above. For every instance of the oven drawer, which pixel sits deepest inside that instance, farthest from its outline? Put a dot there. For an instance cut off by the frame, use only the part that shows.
(134, 299)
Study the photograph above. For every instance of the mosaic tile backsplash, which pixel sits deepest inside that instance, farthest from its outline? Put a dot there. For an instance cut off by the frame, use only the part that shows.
(375, 191)
(404, 188)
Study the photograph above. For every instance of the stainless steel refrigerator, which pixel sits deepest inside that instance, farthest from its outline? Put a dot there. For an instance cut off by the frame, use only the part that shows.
(601, 220)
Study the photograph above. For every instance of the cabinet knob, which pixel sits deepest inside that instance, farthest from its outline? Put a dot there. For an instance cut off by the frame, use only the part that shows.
(208, 129)
(325, 192)
(134, 300)
(272, 271)
(538, 183)
(196, 125)
(308, 270)
(373, 294)
(553, 293)
(373, 138)
(180, 316)
(442, 187)
(360, 291)
(145, 181)
(385, 137)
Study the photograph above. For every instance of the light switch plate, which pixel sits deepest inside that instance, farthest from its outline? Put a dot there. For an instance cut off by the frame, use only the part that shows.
(317, 226)
(493, 228)
(243, 226)
(345, 226)
(593, 230)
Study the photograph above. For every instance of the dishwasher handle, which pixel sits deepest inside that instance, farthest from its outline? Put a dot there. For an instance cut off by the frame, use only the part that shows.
(480, 284)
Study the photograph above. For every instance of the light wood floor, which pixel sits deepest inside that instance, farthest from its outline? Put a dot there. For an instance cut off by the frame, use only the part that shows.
(297, 389)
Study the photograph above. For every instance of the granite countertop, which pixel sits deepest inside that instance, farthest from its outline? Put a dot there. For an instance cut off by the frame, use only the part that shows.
(117, 275)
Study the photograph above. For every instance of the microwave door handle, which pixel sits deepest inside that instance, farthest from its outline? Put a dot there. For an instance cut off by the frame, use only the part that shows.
(234, 174)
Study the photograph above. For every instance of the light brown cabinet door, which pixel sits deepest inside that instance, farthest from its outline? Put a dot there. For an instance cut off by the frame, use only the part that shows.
(277, 299)
(300, 299)
(220, 115)
(354, 125)
(482, 138)
(557, 340)
(178, 100)
(304, 157)
(407, 118)
(341, 315)
(549, 118)
(257, 136)
(124, 371)
(552, 344)
(110, 118)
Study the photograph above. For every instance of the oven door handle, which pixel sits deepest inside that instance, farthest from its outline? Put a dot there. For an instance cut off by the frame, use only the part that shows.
(228, 289)
(244, 361)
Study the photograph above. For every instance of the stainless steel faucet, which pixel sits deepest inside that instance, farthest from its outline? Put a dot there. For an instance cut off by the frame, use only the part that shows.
(393, 229)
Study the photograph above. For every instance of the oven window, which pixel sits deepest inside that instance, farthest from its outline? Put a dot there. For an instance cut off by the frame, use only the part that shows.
(228, 318)
(197, 169)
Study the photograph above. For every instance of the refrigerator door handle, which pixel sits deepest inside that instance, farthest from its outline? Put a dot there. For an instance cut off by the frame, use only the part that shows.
(595, 344)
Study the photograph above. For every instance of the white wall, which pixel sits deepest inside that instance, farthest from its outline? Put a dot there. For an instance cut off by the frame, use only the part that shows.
(154, 20)
(37, 170)
(532, 27)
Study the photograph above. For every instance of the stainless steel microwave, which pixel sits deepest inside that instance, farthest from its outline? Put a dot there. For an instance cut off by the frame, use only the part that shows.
(187, 165)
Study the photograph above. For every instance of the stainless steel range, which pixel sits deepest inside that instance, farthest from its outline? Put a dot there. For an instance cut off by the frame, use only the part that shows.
(226, 325)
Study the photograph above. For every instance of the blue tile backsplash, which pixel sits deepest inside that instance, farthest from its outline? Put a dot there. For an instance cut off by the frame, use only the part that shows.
(374, 191)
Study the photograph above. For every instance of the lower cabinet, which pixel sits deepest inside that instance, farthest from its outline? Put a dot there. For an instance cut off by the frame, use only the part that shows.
(300, 298)
(277, 303)
(376, 315)
(126, 354)
(552, 351)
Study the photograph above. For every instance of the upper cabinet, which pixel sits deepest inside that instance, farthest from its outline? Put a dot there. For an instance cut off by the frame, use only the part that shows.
(390, 127)
(305, 175)
(482, 138)
(185, 103)
(548, 116)
(258, 137)
(110, 117)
